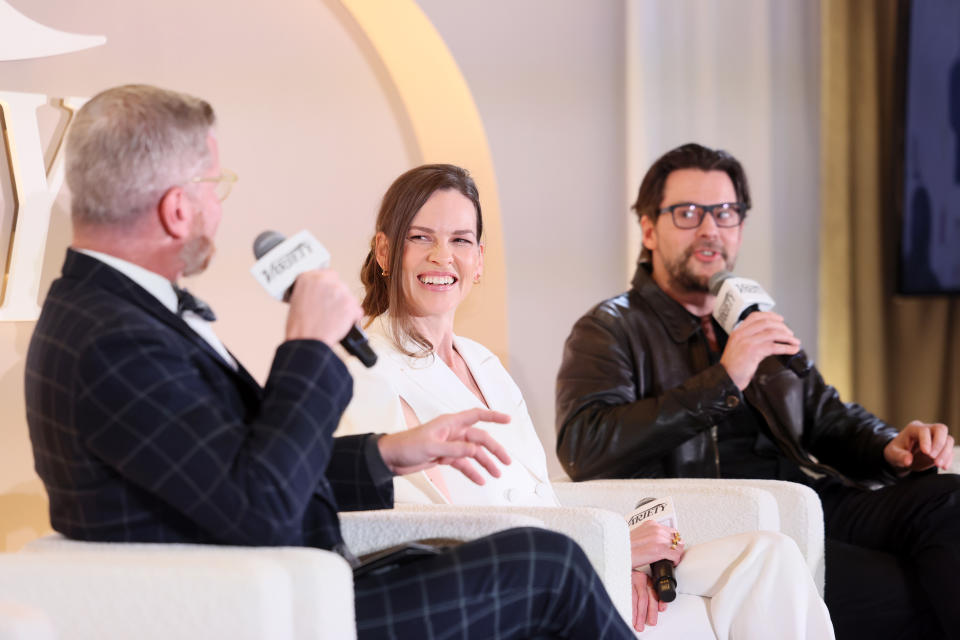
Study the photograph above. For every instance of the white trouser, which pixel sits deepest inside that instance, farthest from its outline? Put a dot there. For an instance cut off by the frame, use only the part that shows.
(744, 587)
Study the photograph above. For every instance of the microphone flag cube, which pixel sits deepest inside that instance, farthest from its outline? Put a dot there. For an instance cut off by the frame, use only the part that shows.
(659, 510)
(277, 269)
(735, 296)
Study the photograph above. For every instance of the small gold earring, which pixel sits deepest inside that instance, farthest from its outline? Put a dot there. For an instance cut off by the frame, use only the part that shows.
(384, 273)
(476, 279)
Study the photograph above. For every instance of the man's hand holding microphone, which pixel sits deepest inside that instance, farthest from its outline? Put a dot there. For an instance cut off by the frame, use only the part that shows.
(760, 335)
(322, 307)
(754, 332)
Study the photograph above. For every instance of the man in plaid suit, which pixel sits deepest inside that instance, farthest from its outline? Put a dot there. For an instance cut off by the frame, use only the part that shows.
(144, 427)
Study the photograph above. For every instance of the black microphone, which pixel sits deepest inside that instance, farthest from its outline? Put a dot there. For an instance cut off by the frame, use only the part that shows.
(281, 260)
(664, 580)
(739, 297)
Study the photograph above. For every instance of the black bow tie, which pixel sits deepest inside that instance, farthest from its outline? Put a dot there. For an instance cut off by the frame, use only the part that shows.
(187, 302)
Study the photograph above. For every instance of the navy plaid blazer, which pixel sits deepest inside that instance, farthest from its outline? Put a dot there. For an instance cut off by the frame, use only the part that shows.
(141, 432)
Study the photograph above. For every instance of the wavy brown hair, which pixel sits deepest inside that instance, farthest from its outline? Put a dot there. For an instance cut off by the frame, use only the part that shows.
(405, 197)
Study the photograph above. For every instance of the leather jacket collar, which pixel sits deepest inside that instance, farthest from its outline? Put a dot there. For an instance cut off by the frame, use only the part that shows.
(679, 323)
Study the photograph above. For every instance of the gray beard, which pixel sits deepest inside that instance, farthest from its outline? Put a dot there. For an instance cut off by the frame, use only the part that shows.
(196, 254)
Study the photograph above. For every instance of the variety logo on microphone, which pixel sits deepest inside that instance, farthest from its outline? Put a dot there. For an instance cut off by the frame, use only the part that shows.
(660, 510)
(736, 297)
(280, 265)
(281, 260)
(739, 297)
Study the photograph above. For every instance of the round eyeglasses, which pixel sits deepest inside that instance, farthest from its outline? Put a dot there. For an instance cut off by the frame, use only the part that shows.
(689, 215)
(224, 183)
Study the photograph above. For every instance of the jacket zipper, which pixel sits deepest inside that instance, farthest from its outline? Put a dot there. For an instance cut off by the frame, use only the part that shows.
(716, 449)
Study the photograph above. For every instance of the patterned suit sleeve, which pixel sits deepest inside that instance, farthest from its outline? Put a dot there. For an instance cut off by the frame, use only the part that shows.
(359, 477)
(167, 418)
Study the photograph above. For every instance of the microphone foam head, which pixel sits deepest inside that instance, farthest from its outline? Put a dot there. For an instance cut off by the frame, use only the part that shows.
(266, 241)
(716, 281)
(643, 502)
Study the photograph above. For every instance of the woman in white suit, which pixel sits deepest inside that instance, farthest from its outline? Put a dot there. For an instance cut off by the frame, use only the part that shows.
(425, 257)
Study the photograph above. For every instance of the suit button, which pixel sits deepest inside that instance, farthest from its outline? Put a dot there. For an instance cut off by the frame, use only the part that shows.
(510, 495)
(732, 401)
(542, 490)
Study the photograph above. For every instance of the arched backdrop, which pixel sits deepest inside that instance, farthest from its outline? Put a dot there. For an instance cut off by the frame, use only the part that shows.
(320, 105)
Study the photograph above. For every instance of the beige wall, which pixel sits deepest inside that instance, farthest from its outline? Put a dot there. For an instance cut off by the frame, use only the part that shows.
(760, 100)
(303, 118)
(548, 77)
(578, 97)
(315, 132)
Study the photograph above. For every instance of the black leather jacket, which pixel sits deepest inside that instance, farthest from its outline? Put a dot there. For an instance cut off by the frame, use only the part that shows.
(637, 397)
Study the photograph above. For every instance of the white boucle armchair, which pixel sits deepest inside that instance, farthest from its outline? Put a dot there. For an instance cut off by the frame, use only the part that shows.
(709, 508)
(102, 591)
(90, 590)
(593, 515)
(20, 622)
(706, 509)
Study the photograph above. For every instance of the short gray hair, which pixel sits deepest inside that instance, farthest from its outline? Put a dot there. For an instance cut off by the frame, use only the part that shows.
(128, 145)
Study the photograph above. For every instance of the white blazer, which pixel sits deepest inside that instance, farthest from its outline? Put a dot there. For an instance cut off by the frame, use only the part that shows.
(431, 389)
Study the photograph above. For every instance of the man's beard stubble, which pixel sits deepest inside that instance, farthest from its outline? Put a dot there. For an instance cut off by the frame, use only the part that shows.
(198, 250)
(683, 279)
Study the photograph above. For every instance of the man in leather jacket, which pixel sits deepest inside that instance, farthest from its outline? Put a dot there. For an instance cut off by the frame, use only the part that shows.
(651, 386)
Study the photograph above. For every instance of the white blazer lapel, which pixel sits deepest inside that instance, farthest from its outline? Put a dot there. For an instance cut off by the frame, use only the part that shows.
(502, 394)
(431, 388)
(487, 372)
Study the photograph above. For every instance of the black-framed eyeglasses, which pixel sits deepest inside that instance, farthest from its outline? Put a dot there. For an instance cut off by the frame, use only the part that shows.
(689, 215)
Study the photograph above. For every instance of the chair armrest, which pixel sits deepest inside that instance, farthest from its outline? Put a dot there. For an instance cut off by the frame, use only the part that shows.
(320, 583)
(20, 622)
(706, 509)
(710, 508)
(801, 518)
(155, 595)
(601, 534)
(368, 531)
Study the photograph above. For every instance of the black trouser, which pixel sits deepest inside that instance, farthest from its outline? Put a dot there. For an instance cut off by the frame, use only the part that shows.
(519, 583)
(893, 559)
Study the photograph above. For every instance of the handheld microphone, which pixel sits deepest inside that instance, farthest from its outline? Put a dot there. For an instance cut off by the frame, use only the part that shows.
(739, 297)
(280, 260)
(662, 512)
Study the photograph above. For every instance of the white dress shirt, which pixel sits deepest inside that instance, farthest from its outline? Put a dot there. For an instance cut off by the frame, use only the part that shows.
(162, 289)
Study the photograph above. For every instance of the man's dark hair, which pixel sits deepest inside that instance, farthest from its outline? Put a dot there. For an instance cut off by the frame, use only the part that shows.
(688, 156)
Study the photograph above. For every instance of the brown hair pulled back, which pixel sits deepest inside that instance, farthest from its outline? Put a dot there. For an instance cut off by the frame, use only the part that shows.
(405, 197)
